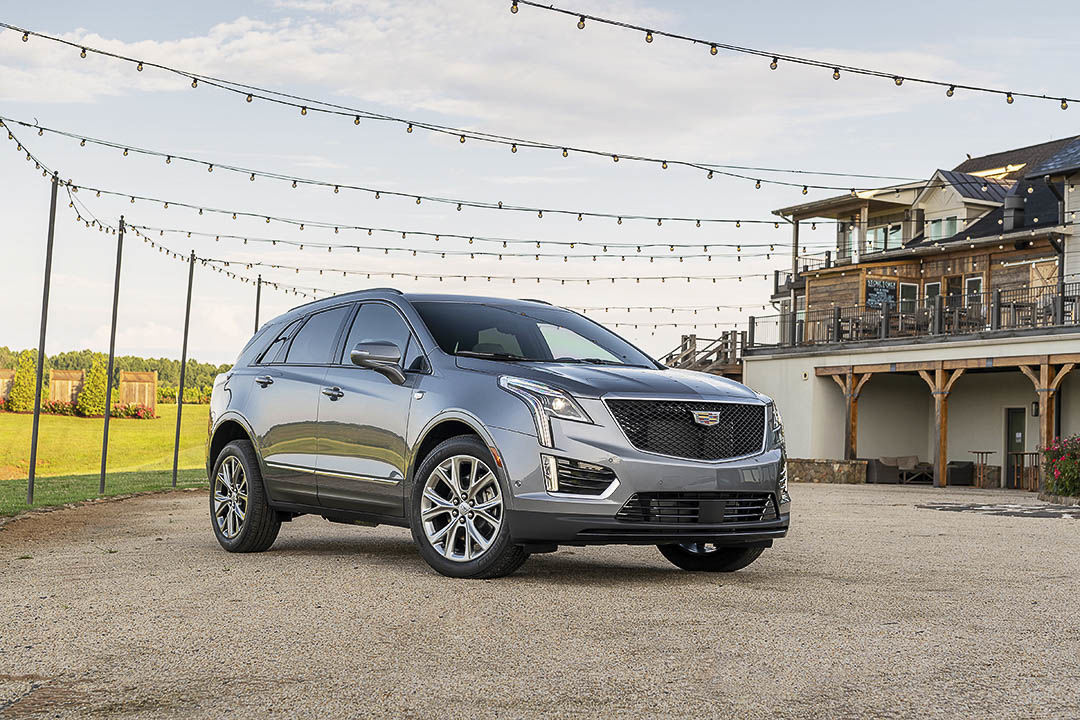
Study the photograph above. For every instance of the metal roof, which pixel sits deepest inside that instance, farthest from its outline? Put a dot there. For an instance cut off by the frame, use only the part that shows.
(977, 188)
(1022, 160)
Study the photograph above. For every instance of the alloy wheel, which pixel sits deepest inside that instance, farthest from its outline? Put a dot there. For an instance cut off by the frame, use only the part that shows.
(461, 508)
(698, 548)
(230, 497)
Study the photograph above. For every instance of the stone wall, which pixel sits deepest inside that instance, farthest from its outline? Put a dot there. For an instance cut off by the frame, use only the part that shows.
(845, 472)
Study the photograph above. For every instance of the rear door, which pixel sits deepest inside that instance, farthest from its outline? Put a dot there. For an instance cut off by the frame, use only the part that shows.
(284, 403)
(363, 418)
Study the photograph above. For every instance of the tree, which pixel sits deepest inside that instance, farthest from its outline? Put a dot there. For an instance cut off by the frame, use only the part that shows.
(21, 398)
(91, 400)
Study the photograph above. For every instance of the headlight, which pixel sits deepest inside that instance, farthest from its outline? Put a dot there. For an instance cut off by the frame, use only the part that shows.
(545, 402)
(776, 426)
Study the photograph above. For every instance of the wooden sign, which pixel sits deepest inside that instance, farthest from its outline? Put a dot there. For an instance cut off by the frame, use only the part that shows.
(879, 292)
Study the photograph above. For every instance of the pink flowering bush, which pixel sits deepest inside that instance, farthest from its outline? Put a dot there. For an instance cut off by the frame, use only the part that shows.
(1061, 463)
(135, 411)
(58, 407)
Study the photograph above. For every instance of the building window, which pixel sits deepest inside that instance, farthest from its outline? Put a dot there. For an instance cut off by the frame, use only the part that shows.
(973, 290)
(950, 226)
(909, 297)
(930, 292)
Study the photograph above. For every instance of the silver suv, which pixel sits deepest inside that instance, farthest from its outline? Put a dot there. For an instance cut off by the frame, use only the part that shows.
(493, 429)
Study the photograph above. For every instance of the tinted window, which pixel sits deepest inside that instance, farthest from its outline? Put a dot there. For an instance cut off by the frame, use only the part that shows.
(378, 322)
(525, 333)
(276, 351)
(313, 344)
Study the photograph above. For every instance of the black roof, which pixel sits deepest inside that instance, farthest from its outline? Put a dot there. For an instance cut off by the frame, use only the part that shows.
(1028, 157)
(1064, 161)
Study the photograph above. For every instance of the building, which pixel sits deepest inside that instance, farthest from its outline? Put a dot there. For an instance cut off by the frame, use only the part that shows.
(945, 321)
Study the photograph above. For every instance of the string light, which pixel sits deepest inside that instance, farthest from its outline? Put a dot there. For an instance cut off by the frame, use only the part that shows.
(812, 62)
(304, 105)
(295, 180)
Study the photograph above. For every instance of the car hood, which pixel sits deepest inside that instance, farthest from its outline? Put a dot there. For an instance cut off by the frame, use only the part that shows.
(595, 381)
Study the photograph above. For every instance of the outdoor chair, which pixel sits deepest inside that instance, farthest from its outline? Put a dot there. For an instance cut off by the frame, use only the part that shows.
(911, 470)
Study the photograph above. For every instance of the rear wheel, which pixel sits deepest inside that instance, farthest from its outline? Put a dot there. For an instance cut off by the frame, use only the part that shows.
(458, 514)
(707, 557)
(239, 513)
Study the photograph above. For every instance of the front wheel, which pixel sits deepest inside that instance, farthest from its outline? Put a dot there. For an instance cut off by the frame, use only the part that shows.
(707, 557)
(243, 520)
(458, 514)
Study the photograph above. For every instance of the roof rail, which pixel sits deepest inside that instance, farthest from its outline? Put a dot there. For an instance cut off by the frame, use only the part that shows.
(383, 289)
(542, 302)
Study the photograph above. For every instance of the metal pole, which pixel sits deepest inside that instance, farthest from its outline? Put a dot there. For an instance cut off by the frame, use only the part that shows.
(112, 355)
(258, 301)
(183, 368)
(41, 340)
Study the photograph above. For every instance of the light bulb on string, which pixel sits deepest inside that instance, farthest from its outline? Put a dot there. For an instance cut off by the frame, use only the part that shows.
(648, 36)
(951, 91)
(581, 23)
(774, 63)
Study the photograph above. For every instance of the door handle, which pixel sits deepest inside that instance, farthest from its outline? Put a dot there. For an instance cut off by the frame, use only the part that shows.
(333, 392)
(264, 380)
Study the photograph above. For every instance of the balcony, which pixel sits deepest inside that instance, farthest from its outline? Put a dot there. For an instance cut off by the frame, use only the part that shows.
(784, 281)
(976, 315)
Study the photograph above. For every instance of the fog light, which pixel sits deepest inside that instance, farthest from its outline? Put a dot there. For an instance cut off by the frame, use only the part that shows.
(574, 477)
(551, 472)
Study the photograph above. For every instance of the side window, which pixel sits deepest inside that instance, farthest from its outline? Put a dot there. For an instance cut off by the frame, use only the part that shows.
(276, 350)
(378, 322)
(314, 343)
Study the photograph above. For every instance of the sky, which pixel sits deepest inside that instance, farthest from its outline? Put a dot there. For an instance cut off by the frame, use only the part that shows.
(475, 65)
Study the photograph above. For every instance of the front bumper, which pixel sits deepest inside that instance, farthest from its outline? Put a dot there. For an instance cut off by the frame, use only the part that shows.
(542, 518)
(554, 528)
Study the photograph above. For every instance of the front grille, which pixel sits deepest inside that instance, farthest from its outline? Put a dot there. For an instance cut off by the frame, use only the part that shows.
(711, 508)
(580, 478)
(667, 427)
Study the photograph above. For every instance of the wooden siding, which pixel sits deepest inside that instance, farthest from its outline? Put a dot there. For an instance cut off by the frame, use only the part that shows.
(6, 378)
(64, 385)
(138, 388)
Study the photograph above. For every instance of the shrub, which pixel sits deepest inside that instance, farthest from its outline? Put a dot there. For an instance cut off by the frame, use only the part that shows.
(58, 407)
(1061, 463)
(21, 398)
(134, 411)
(91, 400)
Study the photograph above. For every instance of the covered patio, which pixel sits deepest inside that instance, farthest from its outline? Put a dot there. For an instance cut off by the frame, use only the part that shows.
(997, 383)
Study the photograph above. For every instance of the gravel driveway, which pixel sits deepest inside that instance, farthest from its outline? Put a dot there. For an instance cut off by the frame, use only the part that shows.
(872, 607)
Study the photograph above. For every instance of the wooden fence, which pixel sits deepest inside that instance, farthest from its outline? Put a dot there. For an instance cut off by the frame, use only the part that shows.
(65, 385)
(138, 388)
(6, 377)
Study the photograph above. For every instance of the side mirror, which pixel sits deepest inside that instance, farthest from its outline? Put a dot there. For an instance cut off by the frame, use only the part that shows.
(382, 357)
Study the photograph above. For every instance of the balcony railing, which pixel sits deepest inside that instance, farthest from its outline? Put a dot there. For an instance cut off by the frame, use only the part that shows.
(782, 278)
(1014, 309)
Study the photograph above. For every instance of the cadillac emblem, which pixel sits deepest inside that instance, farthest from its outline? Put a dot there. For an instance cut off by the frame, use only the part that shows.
(708, 418)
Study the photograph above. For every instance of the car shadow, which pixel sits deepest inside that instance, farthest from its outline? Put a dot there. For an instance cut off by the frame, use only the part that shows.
(570, 566)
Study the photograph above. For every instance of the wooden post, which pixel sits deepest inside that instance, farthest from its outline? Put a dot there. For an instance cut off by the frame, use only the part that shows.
(794, 259)
(940, 387)
(851, 385)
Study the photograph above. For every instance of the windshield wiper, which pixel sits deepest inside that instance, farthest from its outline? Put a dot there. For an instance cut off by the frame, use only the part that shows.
(596, 361)
(490, 355)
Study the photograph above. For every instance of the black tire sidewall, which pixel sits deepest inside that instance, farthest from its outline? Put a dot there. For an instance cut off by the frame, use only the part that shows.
(497, 553)
(260, 520)
(723, 559)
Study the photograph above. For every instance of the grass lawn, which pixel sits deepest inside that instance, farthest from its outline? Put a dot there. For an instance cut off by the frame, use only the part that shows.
(58, 490)
(72, 446)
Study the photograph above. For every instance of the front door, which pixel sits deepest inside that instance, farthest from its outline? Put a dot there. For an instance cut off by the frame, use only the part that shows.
(363, 418)
(1015, 431)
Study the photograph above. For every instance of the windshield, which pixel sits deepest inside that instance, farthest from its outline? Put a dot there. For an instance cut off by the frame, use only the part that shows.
(543, 334)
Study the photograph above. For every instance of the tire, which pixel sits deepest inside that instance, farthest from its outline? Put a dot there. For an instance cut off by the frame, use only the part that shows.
(716, 559)
(454, 552)
(259, 526)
